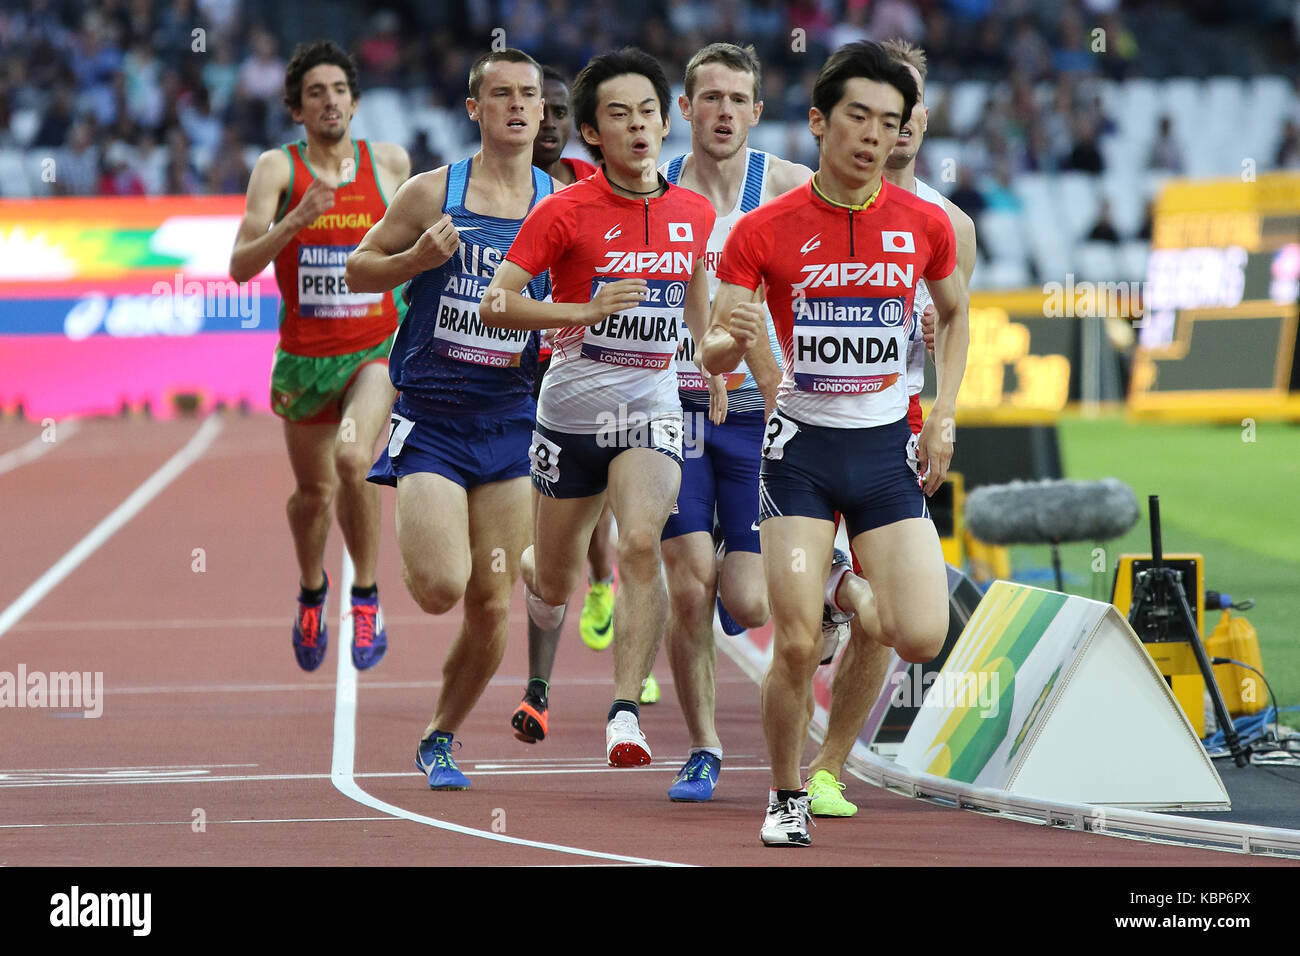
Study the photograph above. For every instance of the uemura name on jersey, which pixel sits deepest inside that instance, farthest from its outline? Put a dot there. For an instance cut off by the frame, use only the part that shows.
(644, 337)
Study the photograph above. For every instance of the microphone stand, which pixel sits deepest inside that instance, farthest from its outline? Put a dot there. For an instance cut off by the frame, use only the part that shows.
(1157, 597)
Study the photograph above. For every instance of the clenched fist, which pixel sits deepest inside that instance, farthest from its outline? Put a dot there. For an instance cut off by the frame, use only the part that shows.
(436, 245)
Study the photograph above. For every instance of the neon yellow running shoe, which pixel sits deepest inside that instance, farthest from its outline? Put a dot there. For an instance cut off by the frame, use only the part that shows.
(825, 796)
(596, 625)
(650, 690)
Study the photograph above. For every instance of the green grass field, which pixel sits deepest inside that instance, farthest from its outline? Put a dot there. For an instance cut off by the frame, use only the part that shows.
(1231, 499)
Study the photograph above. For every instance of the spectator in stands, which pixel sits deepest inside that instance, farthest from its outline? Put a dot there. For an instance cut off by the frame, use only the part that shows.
(1148, 214)
(151, 164)
(1028, 50)
(58, 119)
(143, 73)
(119, 177)
(1288, 151)
(423, 158)
(379, 54)
(76, 166)
(1085, 157)
(1166, 153)
(966, 196)
(261, 75)
(181, 179)
(1073, 52)
(202, 128)
(1000, 193)
(220, 75)
(1104, 230)
(228, 173)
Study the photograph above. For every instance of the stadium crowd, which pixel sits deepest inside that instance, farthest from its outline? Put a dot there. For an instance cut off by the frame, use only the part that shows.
(146, 97)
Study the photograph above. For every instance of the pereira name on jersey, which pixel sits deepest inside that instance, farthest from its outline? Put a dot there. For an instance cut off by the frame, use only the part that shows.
(445, 356)
(587, 236)
(840, 299)
(745, 396)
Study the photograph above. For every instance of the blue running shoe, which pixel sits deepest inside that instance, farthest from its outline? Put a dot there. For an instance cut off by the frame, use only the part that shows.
(369, 638)
(434, 758)
(694, 783)
(310, 635)
(729, 625)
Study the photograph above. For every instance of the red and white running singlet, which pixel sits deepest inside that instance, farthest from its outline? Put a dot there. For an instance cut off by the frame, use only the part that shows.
(840, 285)
(319, 314)
(587, 236)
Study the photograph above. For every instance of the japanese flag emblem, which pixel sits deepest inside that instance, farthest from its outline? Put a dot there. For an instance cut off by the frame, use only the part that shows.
(680, 232)
(897, 242)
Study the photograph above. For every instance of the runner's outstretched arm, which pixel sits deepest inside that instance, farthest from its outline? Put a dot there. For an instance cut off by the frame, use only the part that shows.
(258, 242)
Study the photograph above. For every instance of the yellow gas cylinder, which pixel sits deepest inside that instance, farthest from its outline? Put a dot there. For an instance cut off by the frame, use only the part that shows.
(1243, 690)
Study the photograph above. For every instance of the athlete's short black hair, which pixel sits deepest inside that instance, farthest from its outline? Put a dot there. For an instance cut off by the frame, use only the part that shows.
(508, 55)
(866, 60)
(630, 59)
(309, 55)
(552, 73)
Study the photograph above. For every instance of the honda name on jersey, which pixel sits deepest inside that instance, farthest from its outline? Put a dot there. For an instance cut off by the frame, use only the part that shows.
(460, 334)
(848, 345)
(833, 274)
(322, 291)
(643, 337)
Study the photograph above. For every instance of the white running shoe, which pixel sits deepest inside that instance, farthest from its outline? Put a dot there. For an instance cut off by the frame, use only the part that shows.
(834, 633)
(786, 823)
(625, 745)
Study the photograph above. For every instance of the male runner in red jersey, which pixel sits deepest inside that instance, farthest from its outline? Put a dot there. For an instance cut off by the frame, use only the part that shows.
(309, 204)
(839, 439)
(861, 670)
(595, 624)
(625, 242)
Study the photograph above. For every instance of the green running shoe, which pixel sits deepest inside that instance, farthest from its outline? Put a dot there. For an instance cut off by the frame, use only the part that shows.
(650, 690)
(596, 625)
(826, 796)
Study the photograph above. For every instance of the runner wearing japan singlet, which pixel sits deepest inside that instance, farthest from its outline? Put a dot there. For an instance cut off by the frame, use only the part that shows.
(626, 254)
(839, 259)
(862, 667)
(309, 203)
(458, 441)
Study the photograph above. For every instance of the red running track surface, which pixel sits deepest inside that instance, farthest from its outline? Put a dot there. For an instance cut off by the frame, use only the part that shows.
(206, 717)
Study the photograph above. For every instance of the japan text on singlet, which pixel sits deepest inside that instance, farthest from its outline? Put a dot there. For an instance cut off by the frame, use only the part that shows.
(587, 236)
(319, 314)
(916, 342)
(444, 357)
(744, 394)
(840, 286)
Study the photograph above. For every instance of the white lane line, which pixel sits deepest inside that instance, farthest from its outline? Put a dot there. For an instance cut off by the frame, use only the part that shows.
(186, 823)
(119, 516)
(341, 770)
(142, 779)
(38, 446)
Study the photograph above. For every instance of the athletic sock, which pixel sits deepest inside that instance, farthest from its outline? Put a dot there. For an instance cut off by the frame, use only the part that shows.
(537, 689)
(591, 582)
(713, 751)
(783, 795)
(312, 597)
(624, 705)
(361, 594)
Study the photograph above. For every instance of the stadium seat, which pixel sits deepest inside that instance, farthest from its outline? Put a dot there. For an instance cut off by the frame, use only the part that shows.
(382, 117)
(1269, 100)
(967, 99)
(1133, 260)
(1002, 235)
(34, 161)
(1001, 274)
(1122, 188)
(1096, 262)
(13, 177)
(1076, 202)
(1139, 116)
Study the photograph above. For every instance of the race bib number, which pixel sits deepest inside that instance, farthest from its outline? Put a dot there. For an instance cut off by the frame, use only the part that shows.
(779, 431)
(398, 430)
(642, 337)
(666, 434)
(544, 456)
(322, 291)
(461, 335)
(848, 345)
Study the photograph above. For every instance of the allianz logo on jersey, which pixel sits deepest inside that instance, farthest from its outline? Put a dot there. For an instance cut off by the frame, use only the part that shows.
(889, 274)
(673, 263)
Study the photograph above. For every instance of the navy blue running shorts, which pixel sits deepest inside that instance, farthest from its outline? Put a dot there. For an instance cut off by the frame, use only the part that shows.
(470, 450)
(867, 474)
(574, 465)
(720, 470)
